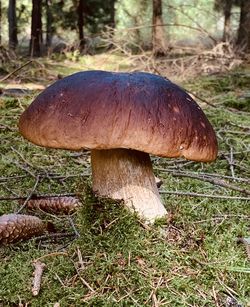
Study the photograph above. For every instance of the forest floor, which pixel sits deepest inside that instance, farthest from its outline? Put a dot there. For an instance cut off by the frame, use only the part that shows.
(191, 258)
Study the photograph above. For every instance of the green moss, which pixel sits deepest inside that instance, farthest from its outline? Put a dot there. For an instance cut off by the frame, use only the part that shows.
(184, 260)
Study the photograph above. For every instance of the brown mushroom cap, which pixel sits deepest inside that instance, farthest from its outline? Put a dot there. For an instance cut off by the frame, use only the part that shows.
(104, 110)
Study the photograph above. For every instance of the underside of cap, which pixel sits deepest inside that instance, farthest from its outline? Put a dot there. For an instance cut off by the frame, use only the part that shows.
(105, 110)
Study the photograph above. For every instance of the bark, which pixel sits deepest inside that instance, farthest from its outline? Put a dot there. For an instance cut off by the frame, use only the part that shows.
(39, 268)
(158, 33)
(36, 28)
(112, 14)
(80, 11)
(243, 40)
(12, 25)
(127, 175)
(0, 22)
(49, 21)
(227, 20)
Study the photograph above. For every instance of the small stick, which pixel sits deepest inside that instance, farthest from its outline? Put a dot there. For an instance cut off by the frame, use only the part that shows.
(231, 161)
(38, 196)
(181, 193)
(221, 183)
(29, 196)
(16, 70)
(50, 255)
(24, 169)
(39, 268)
(246, 242)
(22, 157)
(55, 236)
(202, 174)
(85, 283)
(77, 234)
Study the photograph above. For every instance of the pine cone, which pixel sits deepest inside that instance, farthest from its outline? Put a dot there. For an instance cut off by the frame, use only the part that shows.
(17, 227)
(55, 205)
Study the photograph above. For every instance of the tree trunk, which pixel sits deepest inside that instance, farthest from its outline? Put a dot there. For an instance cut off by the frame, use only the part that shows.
(36, 28)
(227, 21)
(243, 40)
(158, 33)
(0, 22)
(80, 10)
(49, 21)
(112, 14)
(12, 25)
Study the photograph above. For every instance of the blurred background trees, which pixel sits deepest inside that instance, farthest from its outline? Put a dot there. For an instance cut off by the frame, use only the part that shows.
(44, 26)
(12, 24)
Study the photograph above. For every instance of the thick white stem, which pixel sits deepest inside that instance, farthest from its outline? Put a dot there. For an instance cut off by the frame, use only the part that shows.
(127, 175)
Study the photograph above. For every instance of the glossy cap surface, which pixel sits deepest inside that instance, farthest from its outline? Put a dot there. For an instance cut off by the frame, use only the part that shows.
(104, 110)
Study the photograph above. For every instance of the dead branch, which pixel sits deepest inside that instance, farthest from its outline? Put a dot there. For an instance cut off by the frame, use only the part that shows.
(29, 196)
(39, 268)
(55, 236)
(38, 196)
(221, 183)
(16, 70)
(192, 194)
(193, 20)
(204, 174)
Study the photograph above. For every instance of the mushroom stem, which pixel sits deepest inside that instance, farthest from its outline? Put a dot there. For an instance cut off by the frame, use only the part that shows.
(127, 175)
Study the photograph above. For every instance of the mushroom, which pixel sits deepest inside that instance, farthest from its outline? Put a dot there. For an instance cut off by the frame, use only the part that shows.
(121, 118)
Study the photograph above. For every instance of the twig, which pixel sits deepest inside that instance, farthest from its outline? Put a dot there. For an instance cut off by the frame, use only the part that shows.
(51, 175)
(29, 196)
(39, 268)
(203, 174)
(51, 255)
(181, 193)
(222, 217)
(16, 70)
(246, 242)
(24, 169)
(231, 162)
(85, 283)
(33, 194)
(198, 97)
(22, 157)
(77, 234)
(214, 181)
(55, 236)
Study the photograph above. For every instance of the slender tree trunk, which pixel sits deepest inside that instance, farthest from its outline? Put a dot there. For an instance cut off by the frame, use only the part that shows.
(112, 14)
(243, 40)
(158, 33)
(12, 25)
(227, 21)
(49, 20)
(36, 28)
(0, 22)
(80, 10)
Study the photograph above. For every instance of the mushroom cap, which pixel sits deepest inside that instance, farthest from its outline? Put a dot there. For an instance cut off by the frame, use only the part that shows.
(105, 110)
